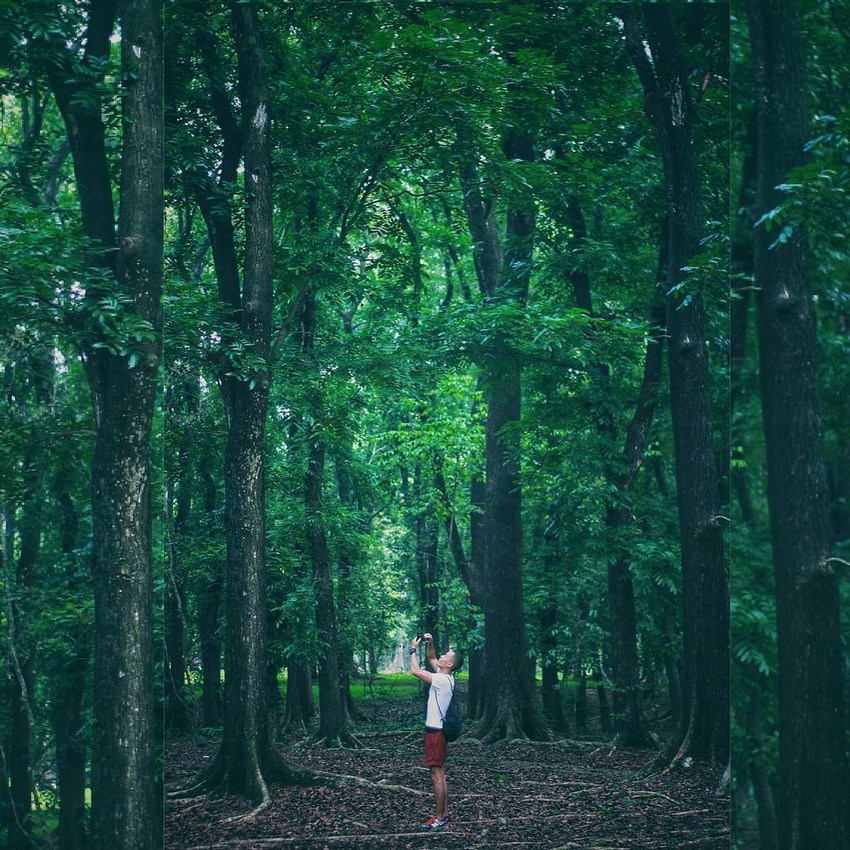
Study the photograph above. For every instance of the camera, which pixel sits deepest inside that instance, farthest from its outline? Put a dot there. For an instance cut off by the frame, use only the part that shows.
(422, 637)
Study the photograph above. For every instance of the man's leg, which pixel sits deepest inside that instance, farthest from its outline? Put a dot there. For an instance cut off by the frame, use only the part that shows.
(441, 793)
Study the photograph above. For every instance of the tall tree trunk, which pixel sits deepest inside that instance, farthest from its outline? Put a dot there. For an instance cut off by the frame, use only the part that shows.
(126, 810)
(606, 724)
(247, 758)
(177, 719)
(739, 312)
(813, 765)
(512, 706)
(474, 584)
(332, 729)
(704, 731)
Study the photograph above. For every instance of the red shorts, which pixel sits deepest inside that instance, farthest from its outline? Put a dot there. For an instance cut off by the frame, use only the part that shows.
(435, 749)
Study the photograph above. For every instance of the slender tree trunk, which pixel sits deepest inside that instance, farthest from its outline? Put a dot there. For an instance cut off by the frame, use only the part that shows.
(67, 704)
(739, 312)
(332, 727)
(20, 751)
(209, 605)
(22, 654)
(426, 568)
(606, 724)
(580, 708)
(552, 697)
(476, 694)
(177, 719)
(671, 668)
(813, 764)
(299, 698)
(345, 563)
(765, 805)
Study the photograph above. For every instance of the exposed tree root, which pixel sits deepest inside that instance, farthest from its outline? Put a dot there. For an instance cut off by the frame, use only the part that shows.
(508, 723)
(567, 744)
(293, 727)
(264, 805)
(343, 740)
(405, 733)
(340, 779)
(201, 783)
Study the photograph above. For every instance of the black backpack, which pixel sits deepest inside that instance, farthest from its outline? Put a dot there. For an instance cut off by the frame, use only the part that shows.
(453, 720)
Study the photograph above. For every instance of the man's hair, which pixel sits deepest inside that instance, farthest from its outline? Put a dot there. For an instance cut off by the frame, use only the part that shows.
(458, 662)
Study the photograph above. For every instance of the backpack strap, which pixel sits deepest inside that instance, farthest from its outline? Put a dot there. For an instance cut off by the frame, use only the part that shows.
(452, 680)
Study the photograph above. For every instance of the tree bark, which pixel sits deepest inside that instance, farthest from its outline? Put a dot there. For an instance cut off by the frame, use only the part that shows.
(126, 809)
(299, 698)
(813, 763)
(346, 559)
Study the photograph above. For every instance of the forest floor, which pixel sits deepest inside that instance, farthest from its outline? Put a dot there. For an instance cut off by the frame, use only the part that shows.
(567, 794)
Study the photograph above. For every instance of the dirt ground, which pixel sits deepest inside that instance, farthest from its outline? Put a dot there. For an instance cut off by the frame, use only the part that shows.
(512, 794)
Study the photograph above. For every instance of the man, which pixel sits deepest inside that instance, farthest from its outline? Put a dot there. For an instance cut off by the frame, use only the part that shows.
(439, 696)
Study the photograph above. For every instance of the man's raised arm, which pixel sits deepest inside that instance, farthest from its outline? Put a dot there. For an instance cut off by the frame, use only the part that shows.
(414, 662)
(430, 652)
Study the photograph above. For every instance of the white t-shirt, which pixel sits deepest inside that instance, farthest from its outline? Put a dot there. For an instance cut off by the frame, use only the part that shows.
(439, 697)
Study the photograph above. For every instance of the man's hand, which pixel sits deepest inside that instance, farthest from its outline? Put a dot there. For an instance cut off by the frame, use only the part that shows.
(414, 644)
(430, 652)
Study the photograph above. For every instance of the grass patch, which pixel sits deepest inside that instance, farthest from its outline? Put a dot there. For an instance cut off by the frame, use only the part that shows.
(385, 686)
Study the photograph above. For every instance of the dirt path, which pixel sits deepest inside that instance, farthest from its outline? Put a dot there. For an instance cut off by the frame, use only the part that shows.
(510, 795)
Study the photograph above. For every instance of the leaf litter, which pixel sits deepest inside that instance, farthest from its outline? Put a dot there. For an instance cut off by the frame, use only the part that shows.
(514, 794)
